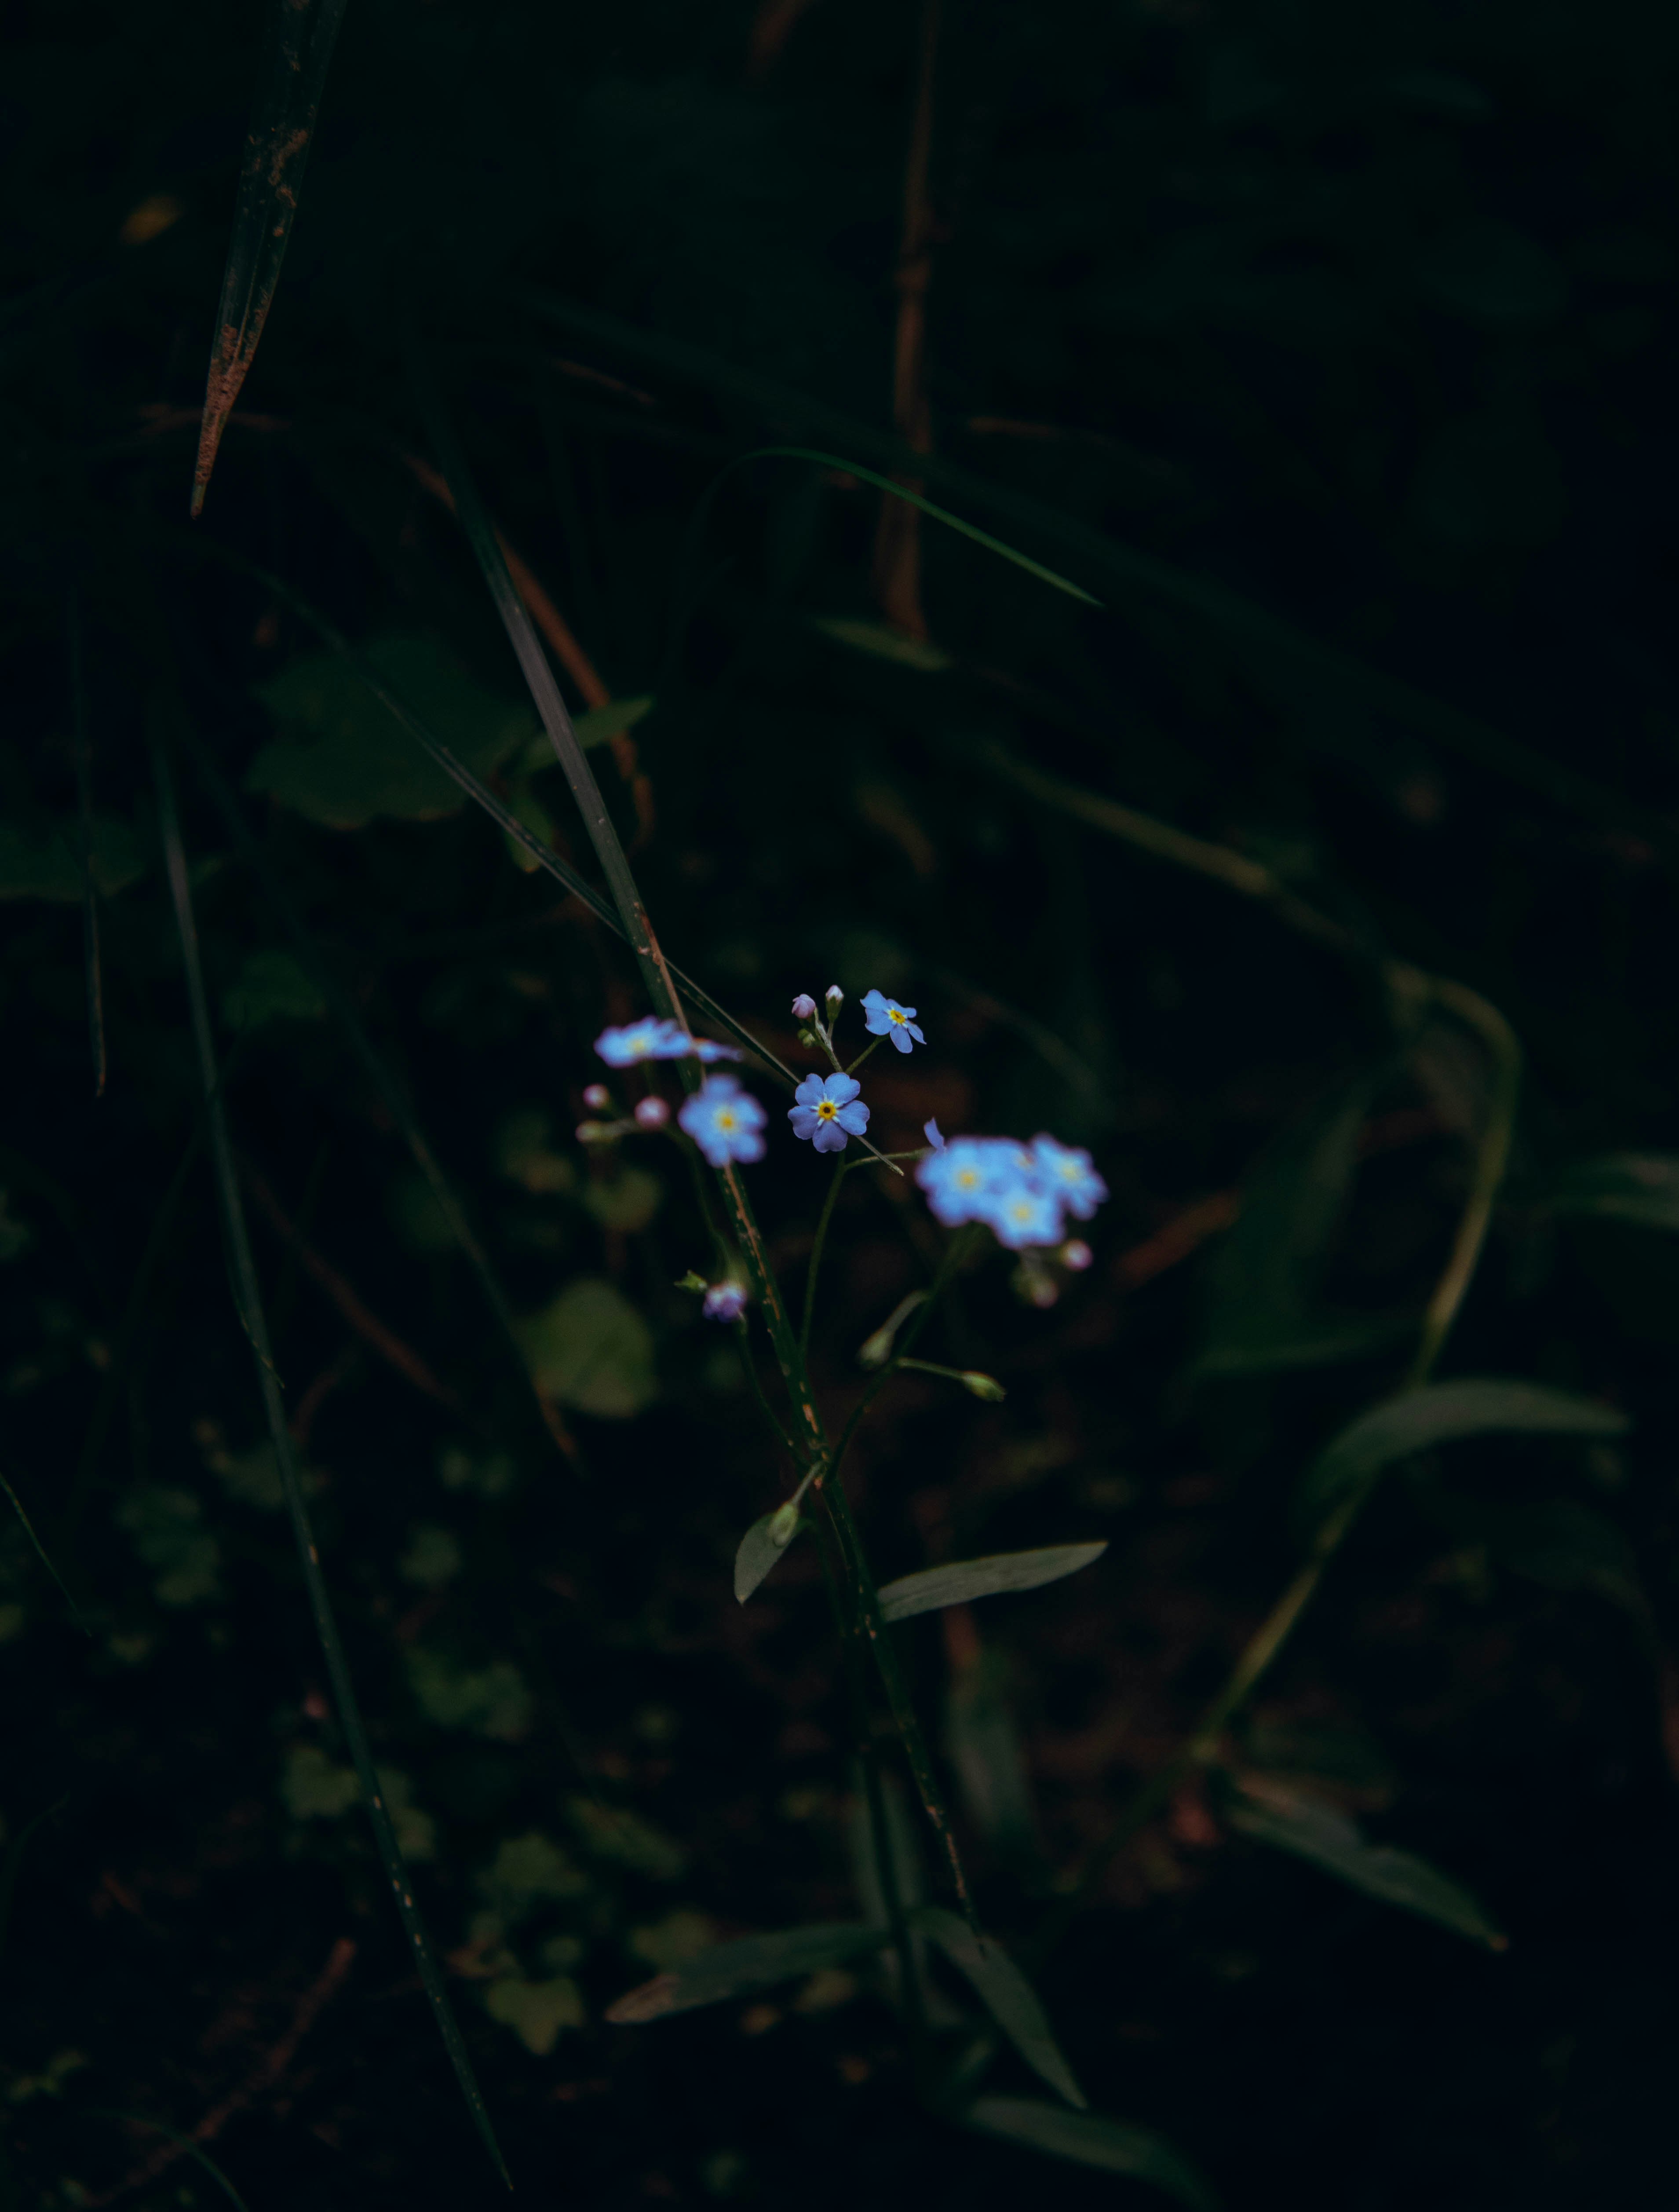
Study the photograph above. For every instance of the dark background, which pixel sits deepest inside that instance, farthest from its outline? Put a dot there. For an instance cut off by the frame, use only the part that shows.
(1359, 318)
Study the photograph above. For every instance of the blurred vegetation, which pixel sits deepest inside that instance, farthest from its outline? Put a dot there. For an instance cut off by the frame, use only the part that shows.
(1330, 351)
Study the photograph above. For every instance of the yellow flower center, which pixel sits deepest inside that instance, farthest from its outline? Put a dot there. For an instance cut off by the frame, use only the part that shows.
(893, 1014)
(826, 1109)
(968, 1177)
(726, 1120)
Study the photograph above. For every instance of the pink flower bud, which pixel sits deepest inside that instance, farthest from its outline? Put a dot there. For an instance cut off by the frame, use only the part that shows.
(1076, 1255)
(597, 1098)
(652, 1114)
(803, 1006)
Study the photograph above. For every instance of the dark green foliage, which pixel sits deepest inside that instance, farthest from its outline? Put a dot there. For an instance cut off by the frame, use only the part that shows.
(1262, 772)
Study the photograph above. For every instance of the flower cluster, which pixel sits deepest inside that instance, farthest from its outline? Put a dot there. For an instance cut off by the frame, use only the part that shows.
(1022, 1193)
(656, 1038)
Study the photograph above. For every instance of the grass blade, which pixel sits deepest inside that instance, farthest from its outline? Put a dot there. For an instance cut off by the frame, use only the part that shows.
(301, 37)
(1323, 1834)
(248, 1301)
(40, 1554)
(195, 2150)
(1270, 646)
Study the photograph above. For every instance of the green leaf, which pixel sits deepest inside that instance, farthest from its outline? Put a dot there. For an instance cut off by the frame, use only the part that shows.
(301, 37)
(885, 643)
(1439, 1414)
(963, 1580)
(1005, 1993)
(1264, 1281)
(756, 1962)
(1112, 2146)
(597, 727)
(592, 1350)
(536, 2011)
(761, 1550)
(985, 1746)
(492, 1701)
(41, 861)
(1321, 1832)
(1324, 1343)
(271, 986)
(1636, 1187)
(342, 758)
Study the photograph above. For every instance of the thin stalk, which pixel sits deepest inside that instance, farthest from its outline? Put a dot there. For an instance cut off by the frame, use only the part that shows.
(1492, 1159)
(765, 1406)
(874, 1045)
(827, 1215)
(879, 1830)
(248, 1303)
(41, 1554)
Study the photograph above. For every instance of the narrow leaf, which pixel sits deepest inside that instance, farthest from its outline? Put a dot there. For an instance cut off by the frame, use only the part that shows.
(964, 1580)
(301, 37)
(1006, 1994)
(1439, 1414)
(248, 1301)
(1112, 2146)
(756, 1962)
(40, 1554)
(1323, 1834)
(760, 1552)
(1636, 1187)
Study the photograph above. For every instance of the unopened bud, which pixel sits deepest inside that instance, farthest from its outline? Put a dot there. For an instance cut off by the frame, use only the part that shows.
(784, 1525)
(693, 1282)
(1076, 1255)
(597, 1132)
(597, 1098)
(807, 1036)
(835, 996)
(984, 1386)
(652, 1113)
(725, 1301)
(803, 1006)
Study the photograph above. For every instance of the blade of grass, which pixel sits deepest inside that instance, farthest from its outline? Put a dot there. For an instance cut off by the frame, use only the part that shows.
(301, 37)
(41, 1554)
(84, 802)
(247, 1300)
(182, 2143)
(660, 987)
(1269, 641)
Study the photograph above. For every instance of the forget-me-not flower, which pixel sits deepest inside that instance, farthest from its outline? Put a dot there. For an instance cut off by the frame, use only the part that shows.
(829, 1109)
(962, 1178)
(884, 1017)
(724, 1300)
(654, 1038)
(1068, 1174)
(725, 1122)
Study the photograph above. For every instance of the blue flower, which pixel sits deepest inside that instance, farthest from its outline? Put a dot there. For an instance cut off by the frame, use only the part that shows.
(653, 1038)
(829, 1108)
(886, 1018)
(964, 1176)
(1067, 1171)
(1023, 1212)
(725, 1301)
(723, 1120)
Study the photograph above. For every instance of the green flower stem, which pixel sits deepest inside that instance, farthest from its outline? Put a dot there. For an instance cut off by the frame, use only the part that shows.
(1492, 1159)
(880, 1826)
(744, 1334)
(660, 985)
(838, 1177)
(874, 1045)
(247, 1302)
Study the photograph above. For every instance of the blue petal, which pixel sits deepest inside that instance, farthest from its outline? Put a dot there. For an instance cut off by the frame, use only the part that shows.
(854, 1117)
(805, 1122)
(900, 1038)
(840, 1088)
(810, 1090)
(829, 1137)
